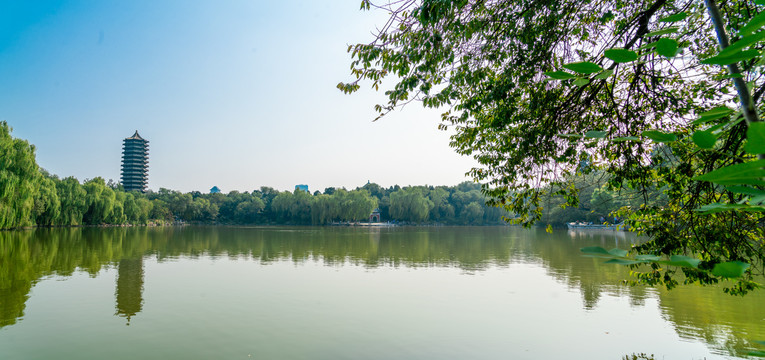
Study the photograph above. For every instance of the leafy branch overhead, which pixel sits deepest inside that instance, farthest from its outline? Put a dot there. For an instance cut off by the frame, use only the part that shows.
(542, 93)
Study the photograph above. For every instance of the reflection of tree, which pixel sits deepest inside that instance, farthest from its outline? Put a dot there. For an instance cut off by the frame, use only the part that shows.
(707, 314)
(15, 276)
(27, 256)
(560, 254)
(129, 287)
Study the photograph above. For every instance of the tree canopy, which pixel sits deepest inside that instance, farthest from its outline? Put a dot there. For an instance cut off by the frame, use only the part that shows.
(542, 92)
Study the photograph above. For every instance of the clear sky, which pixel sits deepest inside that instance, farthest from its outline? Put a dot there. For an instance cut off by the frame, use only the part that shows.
(238, 94)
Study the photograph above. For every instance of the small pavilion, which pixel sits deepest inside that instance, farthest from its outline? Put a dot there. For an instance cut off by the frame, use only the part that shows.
(375, 215)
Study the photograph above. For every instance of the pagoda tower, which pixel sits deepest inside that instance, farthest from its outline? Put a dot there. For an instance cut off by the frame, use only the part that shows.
(135, 163)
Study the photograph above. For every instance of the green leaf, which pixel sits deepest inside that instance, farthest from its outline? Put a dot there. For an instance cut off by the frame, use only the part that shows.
(719, 207)
(666, 47)
(745, 190)
(618, 252)
(753, 25)
(584, 67)
(758, 353)
(669, 30)
(755, 138)
(684, 261)
(730, 269)
(714, 114)
(741, 44)
(648, 46)
(604, 75)
(704, 139)
(624, 262)
(749, 173)
(673, 18)
(757, 200)
(621, 55)
(647, 257)
(736, 57)
(720, 110)
(659, 136)
(560, 75)
(581, 82)
(626, 138)
(733, 76)
(594, 250)
(594, 134)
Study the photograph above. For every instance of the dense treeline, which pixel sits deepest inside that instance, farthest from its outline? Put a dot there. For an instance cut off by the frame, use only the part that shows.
(29, 196)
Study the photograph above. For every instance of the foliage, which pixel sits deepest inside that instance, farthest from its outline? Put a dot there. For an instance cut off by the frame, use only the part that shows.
(19, 180)
(536, 89)
(100, 202)
(410, 204)
(73, 204)
(47, 204)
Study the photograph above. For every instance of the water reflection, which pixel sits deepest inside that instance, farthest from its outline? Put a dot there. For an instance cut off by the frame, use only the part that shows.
(28, 256)
(129, 292)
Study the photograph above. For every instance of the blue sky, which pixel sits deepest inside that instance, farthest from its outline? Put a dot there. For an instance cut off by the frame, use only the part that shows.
(238, 94)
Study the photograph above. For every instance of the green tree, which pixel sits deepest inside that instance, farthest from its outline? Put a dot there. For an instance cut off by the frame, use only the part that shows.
(99, 201)
(117, 215)
(248, 211)
(472, 213)
(359, 205)
(160, 211)
(410, 204)
(19, 180)
(442, 210)
(47, 205)
(144, 209)
(73, 198)
(538, 91)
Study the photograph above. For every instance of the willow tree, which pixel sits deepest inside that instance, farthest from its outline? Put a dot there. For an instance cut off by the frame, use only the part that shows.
(535, 89)
(410, 204)
(19, 180)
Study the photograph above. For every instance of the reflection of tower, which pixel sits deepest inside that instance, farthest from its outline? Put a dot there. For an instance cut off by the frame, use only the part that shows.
(129, 287)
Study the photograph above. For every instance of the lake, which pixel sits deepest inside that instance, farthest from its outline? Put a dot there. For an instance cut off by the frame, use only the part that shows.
(349, 293)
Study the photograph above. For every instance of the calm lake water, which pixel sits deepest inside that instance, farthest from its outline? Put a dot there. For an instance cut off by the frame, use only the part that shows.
(348, 293)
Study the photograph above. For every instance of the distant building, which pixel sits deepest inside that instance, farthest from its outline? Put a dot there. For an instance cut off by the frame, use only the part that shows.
(375, 215)
(214, 190)
(302, 187)
(135, 163)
